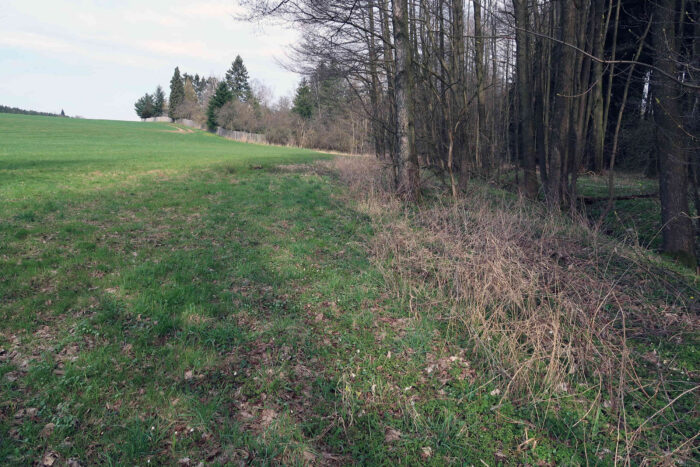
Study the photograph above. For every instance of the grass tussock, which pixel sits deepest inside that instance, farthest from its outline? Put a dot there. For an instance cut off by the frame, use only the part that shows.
(555, 312)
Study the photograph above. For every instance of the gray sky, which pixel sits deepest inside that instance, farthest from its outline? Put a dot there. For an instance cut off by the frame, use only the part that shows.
(95, 58)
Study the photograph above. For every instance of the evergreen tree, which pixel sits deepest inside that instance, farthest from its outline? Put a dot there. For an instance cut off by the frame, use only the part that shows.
(303, 101)
(63, 114)
(144, 106)
(177, 93)
(158, 102)
(222, 95)
(238, 81)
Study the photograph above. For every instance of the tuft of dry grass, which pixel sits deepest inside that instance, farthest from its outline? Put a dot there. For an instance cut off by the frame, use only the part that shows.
(548, 304)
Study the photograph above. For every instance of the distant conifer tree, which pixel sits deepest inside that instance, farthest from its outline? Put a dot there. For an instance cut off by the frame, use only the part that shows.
(238, 80)
(177, 93)
(222, 95)
(144, 106)
(303, 101)
(158, 102)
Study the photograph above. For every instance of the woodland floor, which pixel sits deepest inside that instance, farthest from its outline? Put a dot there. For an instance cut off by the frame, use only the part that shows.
(176, 298)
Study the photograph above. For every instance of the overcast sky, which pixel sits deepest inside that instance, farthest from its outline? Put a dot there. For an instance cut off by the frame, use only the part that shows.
(94, 58)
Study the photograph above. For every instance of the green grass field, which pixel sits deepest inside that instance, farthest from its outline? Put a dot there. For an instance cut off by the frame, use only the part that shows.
(173, 297)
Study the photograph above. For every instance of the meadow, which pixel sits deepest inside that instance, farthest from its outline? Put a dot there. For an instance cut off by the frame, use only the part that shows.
(170, 297)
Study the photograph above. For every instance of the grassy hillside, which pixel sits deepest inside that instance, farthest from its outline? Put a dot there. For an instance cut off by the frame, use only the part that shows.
(172, 297)
(41, 155)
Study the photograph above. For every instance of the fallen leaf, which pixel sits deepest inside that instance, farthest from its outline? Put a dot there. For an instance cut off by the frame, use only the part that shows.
(268, 415)
(47, 431)
(392, 435)
(189, 375)
(426, 452)
(49, 459)
(309, 457)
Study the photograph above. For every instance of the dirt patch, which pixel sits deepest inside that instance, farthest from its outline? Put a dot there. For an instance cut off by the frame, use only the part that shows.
(176, 129)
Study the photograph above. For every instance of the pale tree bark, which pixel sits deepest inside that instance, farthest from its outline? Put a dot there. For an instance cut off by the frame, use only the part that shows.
(409, 177)
(390, 104)
(377, 133)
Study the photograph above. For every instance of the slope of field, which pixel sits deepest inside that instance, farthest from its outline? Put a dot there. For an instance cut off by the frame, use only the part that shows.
(170, 297)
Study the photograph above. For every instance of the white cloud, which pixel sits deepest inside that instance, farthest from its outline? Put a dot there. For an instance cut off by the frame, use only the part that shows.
(51, 45)
(195, 49)
(208, 10)
(148, 16)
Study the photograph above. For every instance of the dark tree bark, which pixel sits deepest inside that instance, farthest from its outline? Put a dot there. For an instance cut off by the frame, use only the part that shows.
(561, 115)
(526, 119)
(479, 71)
(598, 127)
(671, 140)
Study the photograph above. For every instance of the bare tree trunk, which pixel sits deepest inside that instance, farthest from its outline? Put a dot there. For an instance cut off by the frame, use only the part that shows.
(457, 73)
(671, 141)
(390, 104)
(526, 143)
(560, 130)
(582, 113)
(598, 49)
(409, 177)
(479, 70)
(374, 83)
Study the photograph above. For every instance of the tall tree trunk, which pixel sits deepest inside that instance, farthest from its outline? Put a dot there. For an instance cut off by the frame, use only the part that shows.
(479, 70)
(582, 112)
(374, 83)
(456, 76)
(390, 103)
(409, 177)
(561, 115)
(671, 140)
(598, 49)
(526, 143)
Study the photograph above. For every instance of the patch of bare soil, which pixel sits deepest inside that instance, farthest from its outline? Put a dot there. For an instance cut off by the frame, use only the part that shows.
(179, 130)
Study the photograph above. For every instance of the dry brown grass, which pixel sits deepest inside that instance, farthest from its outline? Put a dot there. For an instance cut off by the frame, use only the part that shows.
(548, 304)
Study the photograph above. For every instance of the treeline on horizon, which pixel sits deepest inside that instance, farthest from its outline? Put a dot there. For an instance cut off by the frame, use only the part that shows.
(14, 110)
(541, 90)
(323, 113)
